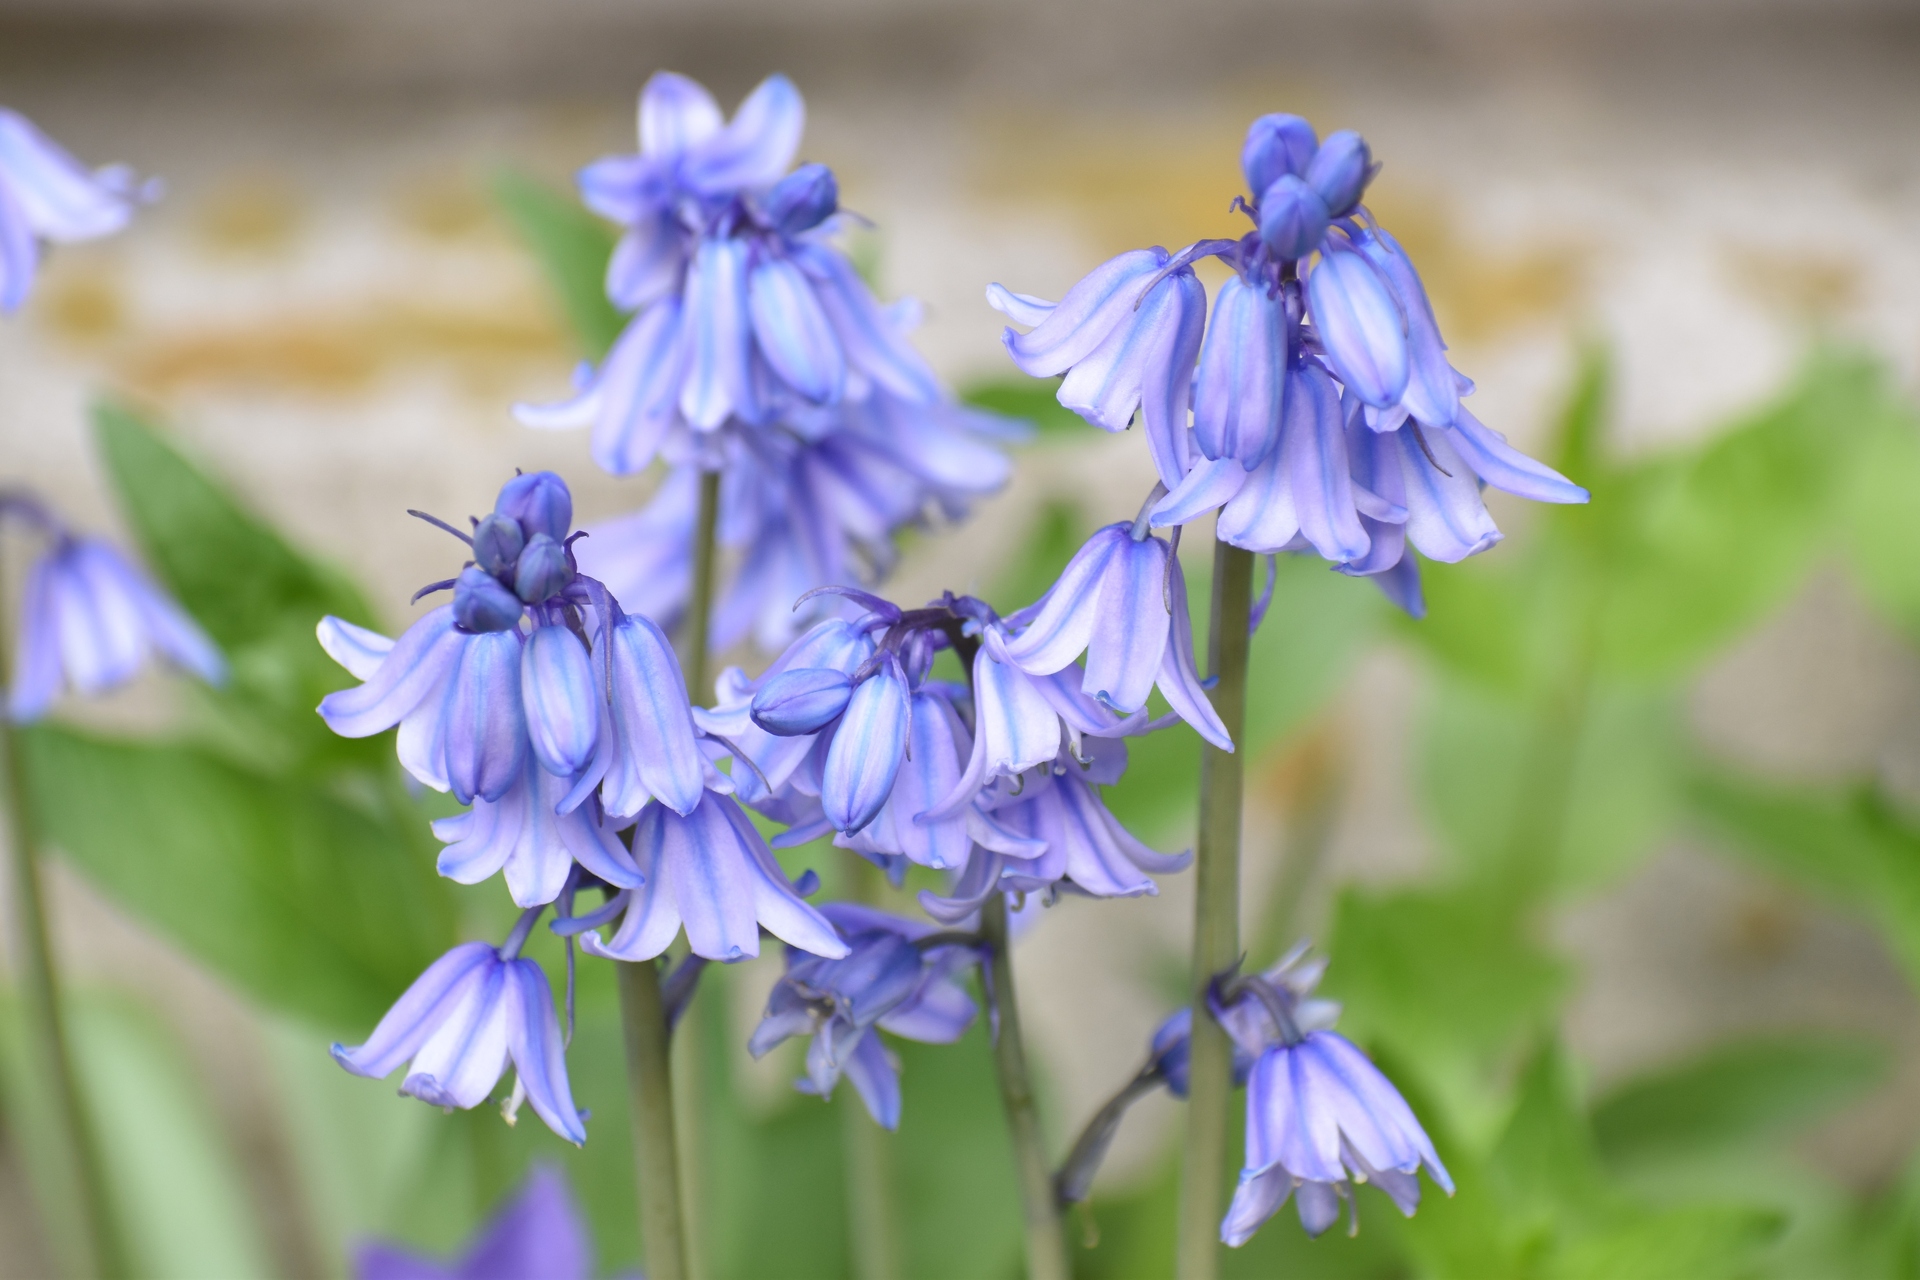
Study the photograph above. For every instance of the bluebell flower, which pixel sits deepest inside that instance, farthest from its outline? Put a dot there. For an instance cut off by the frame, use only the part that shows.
(534, 698)
(474, 1011)
(894, 976)
(1122, 600)
(540, 1232)
(89, 620)
(711, 871)
(45, 194)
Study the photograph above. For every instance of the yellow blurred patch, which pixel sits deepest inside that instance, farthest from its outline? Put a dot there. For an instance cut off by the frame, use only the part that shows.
(249, 214)
(1814, 286)
(80, 298)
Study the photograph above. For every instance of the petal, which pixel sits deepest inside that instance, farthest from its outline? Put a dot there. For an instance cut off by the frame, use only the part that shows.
(1263, 517)
(539, 1056)
(652, 918)
(655, 754)
(939, 1013)
(1063, 620)
(562, 699)
(871, 1071)
(424, 656)
(61, 199)
(626, 188)
(1319, 1206)
(422, 741)
(1072, 820)
(541, 858)
(675, 113)
(645, 265)
(480, 841)
(638, 390)
(1446, 518)
(1169, 382)
(36, 665)
(1276, 144)
(928, 775)
(708, 871)
(1258, 1197)
(357, 649)
(1359, 324)
(465, 1056)
(592, 843)
(540, 1233)
(800, 701)
(717, 344)
(866, 751)
(19, 252)
(757, 146)
(1432, 396)
(419, 1011)
(1505, 467)
(1105, 387)
(1236, 400)
(1383, 1101)
(1210, 484)
(1130, 625)
(872, 342)
(1021, 308)
(1314, 455)
(1179, 681)
(793, 331)
(1082, 320)
(781, 911)
(103, 638)
(486, 723)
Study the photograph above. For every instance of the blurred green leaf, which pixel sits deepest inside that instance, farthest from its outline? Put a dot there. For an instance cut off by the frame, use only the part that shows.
(1691, 1242)
(1883, 520)
(1545, 1163)
(301, 901)
(1734, 1095)
(573, 248)
(1033, 399)
(1852, 847)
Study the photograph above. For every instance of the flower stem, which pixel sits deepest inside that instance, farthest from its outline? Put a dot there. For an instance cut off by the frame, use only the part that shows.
(1216, 923)
(664, 1211)
(98, 1252)
(1046, 1237)
(873, 1216)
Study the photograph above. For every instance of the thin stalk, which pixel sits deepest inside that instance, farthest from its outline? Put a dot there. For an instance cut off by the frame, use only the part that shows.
(664, 1211)
(99, 1251)
(1046, 1237)
(873, 1218)
(1216, 923)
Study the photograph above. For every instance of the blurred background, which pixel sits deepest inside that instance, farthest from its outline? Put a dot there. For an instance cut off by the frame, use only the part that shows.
(1676, 247)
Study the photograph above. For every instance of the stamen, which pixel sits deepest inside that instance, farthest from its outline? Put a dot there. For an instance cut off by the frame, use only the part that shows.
(1420, 438)
(1141, 528)
(438, 523)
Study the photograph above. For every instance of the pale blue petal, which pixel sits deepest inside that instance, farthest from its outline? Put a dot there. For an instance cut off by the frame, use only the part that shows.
(1210, 484)
(1359, 324)
(1276, 144)
(357, 649)
(61, 199)
(422, 659)
(19, 252)
(709, 871)
(1446, 518)
(675, 113)
(655, 755)
(1179, 680)
(1258, 1197)
(757, 147)
(871, 1071)
(645, 266)
(463, 1059)
(871, 340)
(652, 918)
(1262, 517)
(36, 663)
(716, 382)
(1063, 620)
(1169, 380)
(418, 1012)
(793, 331)
(1432, 396)
(486, 723)
(1237, 394)
(1021, 308)
(1505, 467)
(538, 1052)
(1092, 309)
(562, 699)
(1315, 457)
(866, 751)
(1130, 625)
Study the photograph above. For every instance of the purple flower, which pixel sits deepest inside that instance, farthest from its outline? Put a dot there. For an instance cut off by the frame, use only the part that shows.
(532, 835)
(540, 1232)
(89, 620)
(712, 871)
(474, 1011)
(1122, 600)
(888, 979)
(45, 194)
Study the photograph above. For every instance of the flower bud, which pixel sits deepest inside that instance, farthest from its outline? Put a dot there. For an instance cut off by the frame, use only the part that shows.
(804, 700)
(804, 199)
(496, 543)
(1293, 217)
(1276, 145)
(1340, 171)
(542, 570)
(540, 502)
(480, 603)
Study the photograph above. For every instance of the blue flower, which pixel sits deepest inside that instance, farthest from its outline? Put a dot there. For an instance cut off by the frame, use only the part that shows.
(1122, 600)
(89, 620)
(533, 834)
(540, 1232)
(45, 194)
(711, 870)
(474, 1011)
(886, 979)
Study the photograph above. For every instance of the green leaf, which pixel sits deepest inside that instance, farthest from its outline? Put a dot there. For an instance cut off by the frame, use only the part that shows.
(1883, 520)
(1545, 1163)
(573, 248)
(301, 901)
(1735, 1095)
(1851, 847)
(1031, 399)
(1694, 1242)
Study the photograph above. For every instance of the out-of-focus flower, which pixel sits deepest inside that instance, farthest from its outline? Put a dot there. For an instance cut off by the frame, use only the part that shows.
(45, 194)
(1325, 414)
(895, 976)
(539, 1233)
(474, 1011)
(89, 621)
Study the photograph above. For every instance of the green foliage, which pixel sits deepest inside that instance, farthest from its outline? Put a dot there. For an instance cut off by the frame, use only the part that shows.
(1031, 399)
(572, 247)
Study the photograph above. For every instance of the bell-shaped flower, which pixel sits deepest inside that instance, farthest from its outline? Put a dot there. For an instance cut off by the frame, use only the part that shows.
(540, 1232)
(45, 194)
(1239, 389)
(632, 401)
(540, 502)
(563, 701)
(473, 1011)
(907, 824)
(801, 701)
(1361, 325)
(1276, 146)
(792, 332)
(533, 835)
(89, 620)
(834, 646)
(1321, 1118)
(649, 745)
(868, 746)
(711, 871)
(1122, 600)
(886, 979)
(802, 200)
(1127, 337)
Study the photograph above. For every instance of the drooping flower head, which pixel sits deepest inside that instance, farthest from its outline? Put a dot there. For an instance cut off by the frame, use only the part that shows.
(533, 697)
(1317, 409)
(540, 1232)
(898, 976)
(476, 1010)
(45, 194)
(89, 620)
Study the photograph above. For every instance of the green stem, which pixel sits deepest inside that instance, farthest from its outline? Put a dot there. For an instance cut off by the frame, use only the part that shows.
(1216, 923)
(1046, 1237)
(99, 1252)
(664, 1211)
(873, 1221)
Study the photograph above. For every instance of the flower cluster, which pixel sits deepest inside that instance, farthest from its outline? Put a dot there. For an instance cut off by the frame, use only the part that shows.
(1318, 409)
(756, 350)
(45, 194)
(90, 620)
